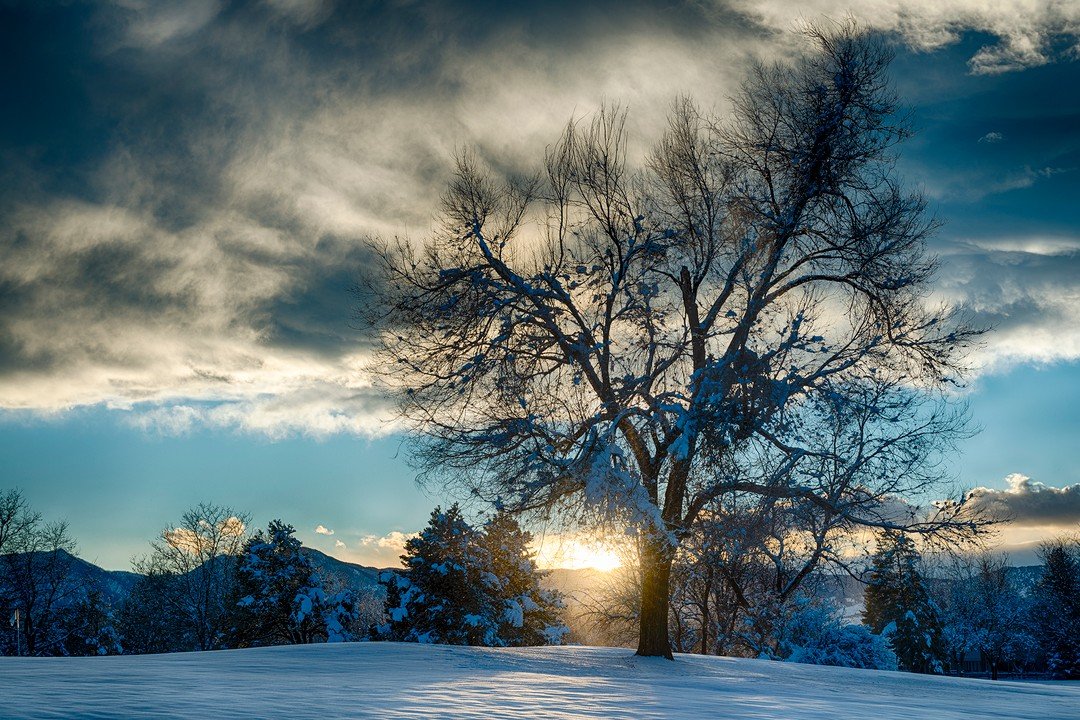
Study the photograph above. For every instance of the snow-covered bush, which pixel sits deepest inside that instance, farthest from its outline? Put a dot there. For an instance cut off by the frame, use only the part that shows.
(816, 635)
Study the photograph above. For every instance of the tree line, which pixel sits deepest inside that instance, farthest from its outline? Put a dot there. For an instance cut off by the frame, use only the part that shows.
(954, 613)
(207, 583)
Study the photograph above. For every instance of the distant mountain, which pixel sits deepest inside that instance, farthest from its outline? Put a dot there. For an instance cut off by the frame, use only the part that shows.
(114, 585)
(352, 575)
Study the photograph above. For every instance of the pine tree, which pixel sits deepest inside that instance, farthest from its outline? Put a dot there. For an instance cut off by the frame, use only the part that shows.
(280, 597)
(1056, 609)
(446, 594)
(89, 627)
(530, 614)
(898, 605)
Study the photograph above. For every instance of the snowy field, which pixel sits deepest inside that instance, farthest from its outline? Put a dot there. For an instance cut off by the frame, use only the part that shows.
(388, 680)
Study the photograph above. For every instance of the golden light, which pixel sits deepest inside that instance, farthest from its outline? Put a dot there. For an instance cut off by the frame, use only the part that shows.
(574, 554)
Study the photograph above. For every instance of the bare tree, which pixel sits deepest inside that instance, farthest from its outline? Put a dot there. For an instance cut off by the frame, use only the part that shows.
(16, 519)
(192, 566)
(36, 560)
(628, 345)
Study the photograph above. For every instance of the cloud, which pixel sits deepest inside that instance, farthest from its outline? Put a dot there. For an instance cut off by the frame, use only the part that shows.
(323, 530)
(193, 542)
(1025, 289)
(1025, 33)
(184, 251)
(1030, 503)
(339, 544)
(992, 138)
(381, 550)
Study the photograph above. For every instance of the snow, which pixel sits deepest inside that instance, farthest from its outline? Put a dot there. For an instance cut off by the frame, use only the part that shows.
(401, 680)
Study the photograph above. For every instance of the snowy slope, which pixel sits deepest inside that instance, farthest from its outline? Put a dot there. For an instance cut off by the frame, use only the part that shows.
(386, 680)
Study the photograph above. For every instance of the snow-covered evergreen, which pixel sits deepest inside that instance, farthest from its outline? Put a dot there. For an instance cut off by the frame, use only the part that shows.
(462, 586)
(446, 593)
(281, 598)
(530, 613)
(899, 606)
(1056, 609)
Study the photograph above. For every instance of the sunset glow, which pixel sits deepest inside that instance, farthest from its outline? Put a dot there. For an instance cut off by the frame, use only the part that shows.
(577, 555)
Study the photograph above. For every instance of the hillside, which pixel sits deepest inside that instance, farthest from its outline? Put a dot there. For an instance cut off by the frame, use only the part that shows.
(389, 680)
(114, 585)
(352, 575)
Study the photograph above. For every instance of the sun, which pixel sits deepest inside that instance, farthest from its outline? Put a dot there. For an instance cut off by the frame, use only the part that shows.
(571, 554)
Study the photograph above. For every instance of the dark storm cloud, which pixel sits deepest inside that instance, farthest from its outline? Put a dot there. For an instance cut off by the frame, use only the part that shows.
(187, 183)
(1030, 503)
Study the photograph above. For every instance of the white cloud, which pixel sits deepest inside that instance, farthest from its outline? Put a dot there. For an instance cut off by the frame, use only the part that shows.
(1025, 290)
(339, 544)
(1024, 31)
(193, 542)
(323, 530)
(992, 138)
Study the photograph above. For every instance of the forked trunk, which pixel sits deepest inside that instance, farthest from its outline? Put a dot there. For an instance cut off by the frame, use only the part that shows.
(653, 641)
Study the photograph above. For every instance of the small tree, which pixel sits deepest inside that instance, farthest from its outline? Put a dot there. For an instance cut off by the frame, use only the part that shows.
(280, 597)
(899, 606)
(1056, 608)
(90, 627)
(148, 620)
(985, 612)
(625, 340)
(193, 566)
(530, 614)
(446, 594)
(36, 578)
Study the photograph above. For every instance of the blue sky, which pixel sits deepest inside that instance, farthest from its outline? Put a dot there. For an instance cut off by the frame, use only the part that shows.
(186, 186)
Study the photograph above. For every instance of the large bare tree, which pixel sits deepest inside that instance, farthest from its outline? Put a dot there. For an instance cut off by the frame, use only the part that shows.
(631, 341)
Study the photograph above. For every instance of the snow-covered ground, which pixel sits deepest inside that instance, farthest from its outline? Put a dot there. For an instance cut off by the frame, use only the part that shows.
(388, 680)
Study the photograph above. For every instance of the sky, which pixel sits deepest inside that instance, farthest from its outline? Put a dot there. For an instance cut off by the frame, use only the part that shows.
(187, 186)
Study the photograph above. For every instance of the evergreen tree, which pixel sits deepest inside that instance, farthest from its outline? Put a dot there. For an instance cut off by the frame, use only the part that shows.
(280, 597)
(1056, 609)
(530, 614)
(147, 619)
(446, 594)
(89, 627)
(899, 606)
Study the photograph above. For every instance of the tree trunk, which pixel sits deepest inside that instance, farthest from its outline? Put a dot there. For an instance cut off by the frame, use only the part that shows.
(705, 621)
(656, 557)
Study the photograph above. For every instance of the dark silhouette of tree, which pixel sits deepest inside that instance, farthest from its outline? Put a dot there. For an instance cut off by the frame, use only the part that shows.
(624, 344)
(1056, 608)
(36, 560)
(899, 606)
